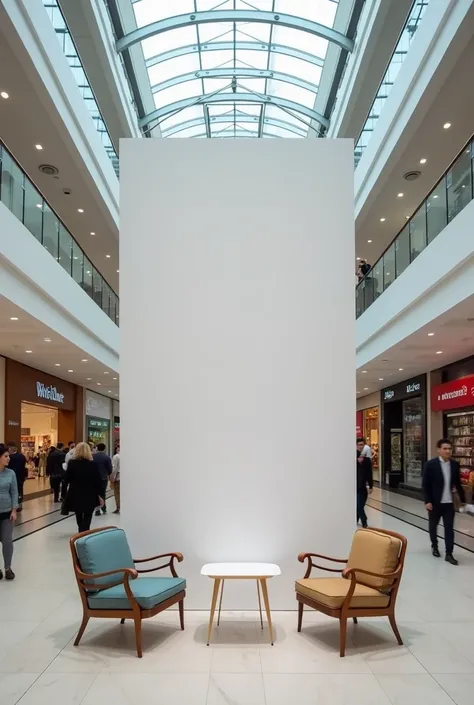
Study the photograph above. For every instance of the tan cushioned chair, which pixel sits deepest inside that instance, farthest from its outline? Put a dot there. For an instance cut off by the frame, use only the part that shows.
(368, 586)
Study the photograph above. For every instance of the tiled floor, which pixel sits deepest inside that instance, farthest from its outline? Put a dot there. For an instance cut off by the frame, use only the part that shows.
(40, 613)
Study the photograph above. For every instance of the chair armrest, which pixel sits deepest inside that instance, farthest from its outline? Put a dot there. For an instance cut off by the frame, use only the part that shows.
(351, 573)
(172, 556)
(309, 557)
(128, 574)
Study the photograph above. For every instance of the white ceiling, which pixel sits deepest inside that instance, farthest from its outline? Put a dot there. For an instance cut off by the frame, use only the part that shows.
(427, 139)
(57, 357)
(28, 118)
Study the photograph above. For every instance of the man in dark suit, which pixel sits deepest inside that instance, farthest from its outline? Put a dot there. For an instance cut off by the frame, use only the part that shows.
(364, 481)
(440, 479)
(56, 472)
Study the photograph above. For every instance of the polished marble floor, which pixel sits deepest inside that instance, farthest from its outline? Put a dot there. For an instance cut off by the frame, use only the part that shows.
(40, 613)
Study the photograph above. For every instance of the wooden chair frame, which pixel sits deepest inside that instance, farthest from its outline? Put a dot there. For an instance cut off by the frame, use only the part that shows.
(344, 612)
(136, 612)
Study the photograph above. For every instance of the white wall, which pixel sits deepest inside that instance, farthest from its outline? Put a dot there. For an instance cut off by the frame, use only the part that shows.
(2, 400)
(243, 356)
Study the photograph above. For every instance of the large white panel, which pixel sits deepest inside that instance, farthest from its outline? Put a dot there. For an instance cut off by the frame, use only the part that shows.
(237, 357)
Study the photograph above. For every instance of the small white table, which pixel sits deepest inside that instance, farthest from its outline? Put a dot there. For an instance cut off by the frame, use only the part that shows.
(220, 572)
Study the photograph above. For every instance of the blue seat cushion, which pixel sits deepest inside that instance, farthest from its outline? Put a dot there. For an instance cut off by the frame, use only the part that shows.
(104, 551)
(149, 592)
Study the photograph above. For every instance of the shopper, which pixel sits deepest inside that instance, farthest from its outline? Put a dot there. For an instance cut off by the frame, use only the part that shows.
(105, 468)
(441, 480)
(8, 507)
(364, 481)
(18, 465)
(363, 270)
(56, 472)
(115, 478)
(71, 445)
(84, 486)
(367, 450)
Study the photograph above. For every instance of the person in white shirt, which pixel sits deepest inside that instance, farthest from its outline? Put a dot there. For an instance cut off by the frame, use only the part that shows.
(71, 445)
(115, 479)
(367, 450)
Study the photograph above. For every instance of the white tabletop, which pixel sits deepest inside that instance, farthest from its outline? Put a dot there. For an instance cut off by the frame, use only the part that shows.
(240, 570)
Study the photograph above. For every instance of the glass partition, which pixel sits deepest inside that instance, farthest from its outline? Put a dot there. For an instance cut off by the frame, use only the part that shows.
(24, 200)
(451, 194)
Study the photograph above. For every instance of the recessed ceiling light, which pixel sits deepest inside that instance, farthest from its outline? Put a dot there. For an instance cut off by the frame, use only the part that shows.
(89, 379)
(98, 383)
(70, 370)
(430, 335)
(57, 364)
(446, 126)
(106, 373)
(399, 195)
(366, 389)
(357, 392)
(114, 377)
(407, 217)
(369, 241)
(47, 340)
(357, 258)
(28, 351)
(118, 270)
(382, 220)
(39, 147)
(108, 256)
(364, 372)
(92, 233)
(13, 318)
(109, 392)
(4, 95)
(84, 360)
(423, 161)
(439, 352)
(80, 210)
(400, 369)
(380, 379)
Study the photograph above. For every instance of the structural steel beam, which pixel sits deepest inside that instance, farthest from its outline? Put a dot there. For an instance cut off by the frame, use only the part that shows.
(237, 73)
(233, 98)
(229, 117)
(239, 46)
(216, 16)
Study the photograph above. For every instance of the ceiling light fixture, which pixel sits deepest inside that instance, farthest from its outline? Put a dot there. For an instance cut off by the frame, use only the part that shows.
(380, 379)
(446, 126)
(114, 377)
(80, 210)
(28, 351)
(57, 364)
(108, 256)
(109, 392)
(369, 241)
(98, 383)
(366, 389)
(70, 370)
(4, 95)
(118, 270)
(92, 233)
(382, 220)
(84, 360)
(13, 318)
(400, 369)
(399, 195)
(89, 379)
(39, 147)
(431, 335)
(423, 161)
(47, 340)
(364, 372)
(439, 352)
(106, 373)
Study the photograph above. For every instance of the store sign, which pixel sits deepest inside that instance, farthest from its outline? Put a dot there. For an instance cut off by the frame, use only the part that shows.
(404, 390)
(389, 394)
(13, 423)
(50, 393)
(98, 423)
(359, 423)
(453, 395)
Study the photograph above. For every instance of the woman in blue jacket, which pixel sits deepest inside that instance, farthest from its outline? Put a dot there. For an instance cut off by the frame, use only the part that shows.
(8, 507)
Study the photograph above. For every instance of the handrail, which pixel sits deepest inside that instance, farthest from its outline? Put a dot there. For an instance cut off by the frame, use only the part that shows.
(62, 31)
(449, 196)
(20, 195)
(386, 84)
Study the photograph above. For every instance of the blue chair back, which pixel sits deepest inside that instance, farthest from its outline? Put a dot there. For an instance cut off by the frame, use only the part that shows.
(103, 551)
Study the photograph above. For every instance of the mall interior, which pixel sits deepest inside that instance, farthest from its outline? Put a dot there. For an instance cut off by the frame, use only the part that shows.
(238, 440)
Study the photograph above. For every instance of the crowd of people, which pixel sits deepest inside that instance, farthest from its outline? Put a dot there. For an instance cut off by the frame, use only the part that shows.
(79, 476)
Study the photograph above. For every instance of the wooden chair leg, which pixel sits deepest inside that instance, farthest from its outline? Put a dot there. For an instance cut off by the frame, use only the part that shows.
(82, 629)
(122, 621)
(181, 613)
(343, 630)
(300, 615)
(393, 624)
(355, 620)
(138, 635)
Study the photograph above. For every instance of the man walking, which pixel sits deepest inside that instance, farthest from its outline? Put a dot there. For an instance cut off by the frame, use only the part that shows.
(18, 465)
(105, 467)
(364, 481)
(441, 479)
(56, 472)
(115, 478)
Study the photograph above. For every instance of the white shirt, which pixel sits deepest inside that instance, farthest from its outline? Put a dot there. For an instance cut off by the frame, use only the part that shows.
(367, 452)
(447, 496)
(115, 477)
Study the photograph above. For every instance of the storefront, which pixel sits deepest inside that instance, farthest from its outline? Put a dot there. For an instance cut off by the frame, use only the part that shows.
(368, 427)
(455, 400)
(99, 420)
(40, 410)
(116, 412)
(404, 433)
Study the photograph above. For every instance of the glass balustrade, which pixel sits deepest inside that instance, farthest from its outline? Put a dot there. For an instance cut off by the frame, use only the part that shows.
(451, 194)
(24, 200)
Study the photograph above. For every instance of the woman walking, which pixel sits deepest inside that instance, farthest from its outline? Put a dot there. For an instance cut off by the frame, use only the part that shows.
(8, 507)
(84, 486)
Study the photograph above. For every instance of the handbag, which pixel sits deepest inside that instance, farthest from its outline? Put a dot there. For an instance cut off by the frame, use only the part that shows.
(64, 507)
(456, 501)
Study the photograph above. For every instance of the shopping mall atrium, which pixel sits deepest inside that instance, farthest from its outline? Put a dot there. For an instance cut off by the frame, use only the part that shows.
(226, 228)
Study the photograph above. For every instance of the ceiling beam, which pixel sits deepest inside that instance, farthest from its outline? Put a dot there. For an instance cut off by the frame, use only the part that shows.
(238, 73)
(241, 117)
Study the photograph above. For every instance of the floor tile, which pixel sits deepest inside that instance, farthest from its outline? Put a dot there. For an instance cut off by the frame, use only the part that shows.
(14, 685)
(413, 690)
(235, 659)
(282, 689)
(236, 688)
(159, 689)
(58, 689)
(459, 687)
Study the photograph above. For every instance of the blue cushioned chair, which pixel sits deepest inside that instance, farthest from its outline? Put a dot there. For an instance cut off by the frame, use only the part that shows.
(110, 586)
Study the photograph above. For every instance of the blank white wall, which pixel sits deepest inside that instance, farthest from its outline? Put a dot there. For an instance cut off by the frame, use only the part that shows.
(2, 400)
(237, 358)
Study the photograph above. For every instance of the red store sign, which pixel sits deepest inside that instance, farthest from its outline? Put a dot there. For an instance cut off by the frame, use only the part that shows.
(359, 424)
(453, 395)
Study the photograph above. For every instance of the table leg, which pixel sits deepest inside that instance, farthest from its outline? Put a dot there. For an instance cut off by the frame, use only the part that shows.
(259, 604)
(220, 604)
(215, 593)
(263, 583)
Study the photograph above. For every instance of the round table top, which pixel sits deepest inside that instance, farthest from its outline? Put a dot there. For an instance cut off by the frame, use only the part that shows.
(240, 570)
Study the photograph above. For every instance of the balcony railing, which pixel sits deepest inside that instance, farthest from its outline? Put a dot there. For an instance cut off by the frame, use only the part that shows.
(398, 57)
(69, 49)
(451, 194)
(22, 198)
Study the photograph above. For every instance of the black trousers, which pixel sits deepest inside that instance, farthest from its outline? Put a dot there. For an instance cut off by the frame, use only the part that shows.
(446, 513)
(361, 500)
(84, 520)
(56, 483)
(20, 484)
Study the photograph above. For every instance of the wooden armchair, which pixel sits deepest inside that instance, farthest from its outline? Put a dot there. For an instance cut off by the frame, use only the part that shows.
(104, 570)
(368, 586)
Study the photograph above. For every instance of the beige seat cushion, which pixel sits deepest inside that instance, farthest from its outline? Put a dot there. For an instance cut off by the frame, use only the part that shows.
(375, 552)
(332, 592)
